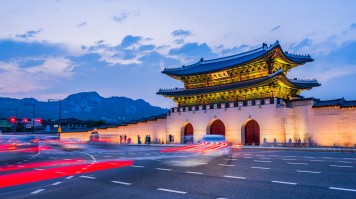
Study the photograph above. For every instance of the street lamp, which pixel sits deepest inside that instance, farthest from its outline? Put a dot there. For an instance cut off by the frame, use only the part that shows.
(60, 112)
(33, 115)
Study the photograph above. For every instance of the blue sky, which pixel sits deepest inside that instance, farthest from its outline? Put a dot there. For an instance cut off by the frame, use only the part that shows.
(50, 49)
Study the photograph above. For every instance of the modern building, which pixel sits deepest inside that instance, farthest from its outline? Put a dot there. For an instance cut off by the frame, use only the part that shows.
(248, 98)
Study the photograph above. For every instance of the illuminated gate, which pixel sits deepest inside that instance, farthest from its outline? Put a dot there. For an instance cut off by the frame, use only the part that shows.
(217, 128)
(188, 133)
(252, 133)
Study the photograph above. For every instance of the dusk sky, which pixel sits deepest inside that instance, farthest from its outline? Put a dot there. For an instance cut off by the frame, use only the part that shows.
(51, 49)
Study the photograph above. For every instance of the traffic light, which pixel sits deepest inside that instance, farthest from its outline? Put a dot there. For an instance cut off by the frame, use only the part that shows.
(12, 119)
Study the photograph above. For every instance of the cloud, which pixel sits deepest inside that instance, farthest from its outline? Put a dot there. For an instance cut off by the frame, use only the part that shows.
(234, 50)
(130, 40)
(124, 15)
(353, 26)
(179, 41)
(181, 33)
(82, 24)
(275, 28)
(11, 49)
(193, 50)
(27, 63)
(344, 53)
(29, 34)
(298, 46)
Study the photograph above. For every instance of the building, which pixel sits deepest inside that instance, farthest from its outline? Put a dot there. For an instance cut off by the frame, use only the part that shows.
(67, 124)
(248, 98)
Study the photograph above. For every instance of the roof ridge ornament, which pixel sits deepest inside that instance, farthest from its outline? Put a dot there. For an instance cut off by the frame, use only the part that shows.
(201, 60)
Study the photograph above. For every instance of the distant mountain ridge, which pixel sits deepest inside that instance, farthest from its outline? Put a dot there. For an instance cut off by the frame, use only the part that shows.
(84, 106)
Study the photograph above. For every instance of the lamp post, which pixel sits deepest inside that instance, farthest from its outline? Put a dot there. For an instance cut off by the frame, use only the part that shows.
(60, 113)
(33, 115)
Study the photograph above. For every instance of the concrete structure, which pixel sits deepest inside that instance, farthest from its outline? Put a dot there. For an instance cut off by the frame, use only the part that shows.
(248, 98)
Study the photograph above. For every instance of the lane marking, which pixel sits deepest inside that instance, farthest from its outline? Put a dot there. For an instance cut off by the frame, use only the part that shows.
(137, 166)
(290, 156)
(56, 183)
(124, 183)
(69, 177)
(350, 158)
(309, 157)
(299, 163)
(345, 162)
(246, 157)
(289, 159)
(230, 159)
(260, 155)
(226, 165)
(192, 172)
(262, 161)
(237, 177)
(301, 171)
(162, 169)
(273, 155)
(265, 158)
(317, 160)
(176, 161)
(171, 190)
(89, 177)
(281, 182)
(59, 172)
(341, 166)
(108, 156)
(342, 189)
(67, 159)
(328, 158)
(37, 191)
(260, 168)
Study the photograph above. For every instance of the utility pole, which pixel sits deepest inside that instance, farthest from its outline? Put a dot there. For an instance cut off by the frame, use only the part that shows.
(33, 115)
(60, 113)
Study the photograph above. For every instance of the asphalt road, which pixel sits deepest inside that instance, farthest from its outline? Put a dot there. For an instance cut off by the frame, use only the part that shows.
(248, 173)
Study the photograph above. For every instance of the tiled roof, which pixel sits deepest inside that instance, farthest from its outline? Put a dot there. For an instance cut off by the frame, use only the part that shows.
(213, 65)
(342, 103)
(181, 91)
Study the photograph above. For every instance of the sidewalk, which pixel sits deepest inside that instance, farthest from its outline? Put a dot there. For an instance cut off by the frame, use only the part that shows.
(326, 149)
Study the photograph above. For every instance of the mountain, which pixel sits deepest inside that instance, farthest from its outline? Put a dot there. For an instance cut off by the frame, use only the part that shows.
(84, 106)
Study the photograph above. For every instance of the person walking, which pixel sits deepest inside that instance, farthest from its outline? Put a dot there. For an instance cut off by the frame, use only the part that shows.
(120, 139)
(149, 139)
(125, 139)
(138, 139)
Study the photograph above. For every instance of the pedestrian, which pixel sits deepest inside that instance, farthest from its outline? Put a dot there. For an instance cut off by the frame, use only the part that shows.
(125, 139)
(120, 139)
(169, 138)
(149, 139)
(146, 139)
(138, 139)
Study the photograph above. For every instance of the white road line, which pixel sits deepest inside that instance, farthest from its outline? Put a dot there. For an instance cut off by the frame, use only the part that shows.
(342, 189)
(56, 183)
(170, 190)
(327, 157)
(260, 155)
(262, 161)
(265, 158)
(137, 166)
(69, 177)
(38, 169)
(299, 163)
(124, 183)
(192, 172)
(162, 169)
(289, 159)
(260, 168)
(281, 182)
(345, 162)
(60, 172)
(350, 158)
(247, 157)
(176, 161)
(226, 165)
(273, 155)
(290, 156)
(68, 159)
(301, 171)
(342, 166)
(237, 177)
(317, 160)
(89, 177)
(232, 159)
(108, 156)
(37, 191)
(309, 157)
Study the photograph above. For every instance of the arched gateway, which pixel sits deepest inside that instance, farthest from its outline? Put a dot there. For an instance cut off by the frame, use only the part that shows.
(251, 132)
(217, 128)
(188, 133)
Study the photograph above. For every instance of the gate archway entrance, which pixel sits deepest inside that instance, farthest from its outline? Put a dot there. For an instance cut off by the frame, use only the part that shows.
(252, 133)
(217, 128)
(94, 137)
(188, 134)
